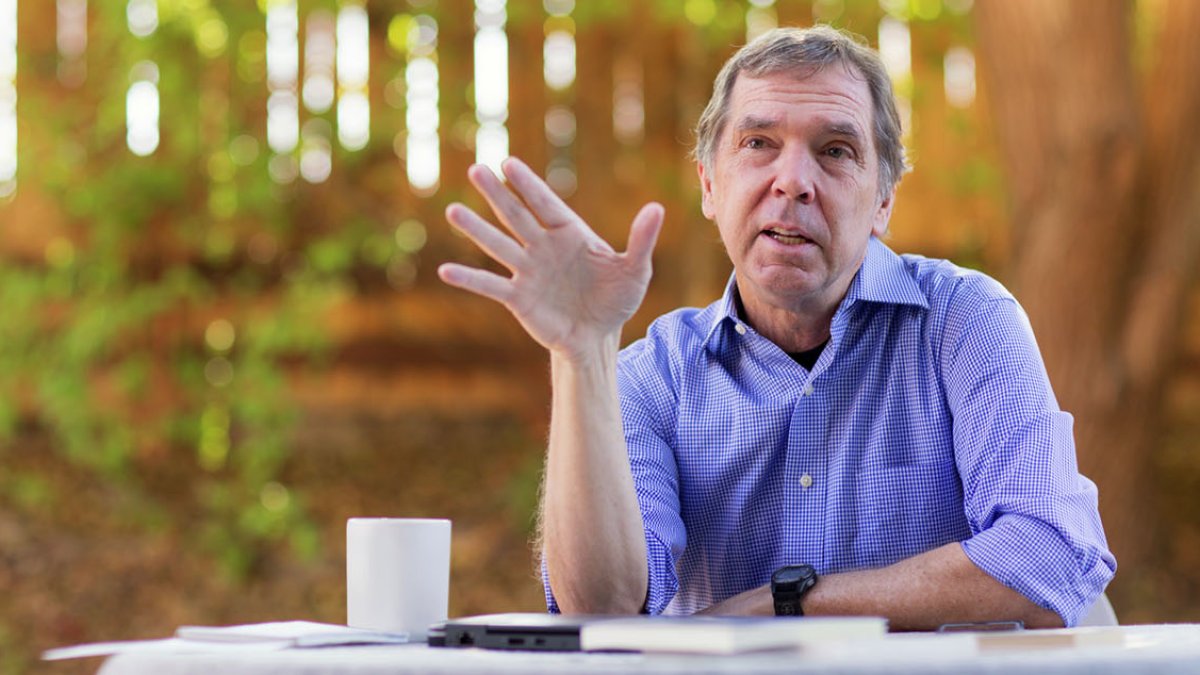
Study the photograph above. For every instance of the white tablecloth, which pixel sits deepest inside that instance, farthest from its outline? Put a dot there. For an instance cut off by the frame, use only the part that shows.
(1171, 648)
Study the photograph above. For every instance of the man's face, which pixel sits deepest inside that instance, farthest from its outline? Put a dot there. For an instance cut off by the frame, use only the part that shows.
(794, 187)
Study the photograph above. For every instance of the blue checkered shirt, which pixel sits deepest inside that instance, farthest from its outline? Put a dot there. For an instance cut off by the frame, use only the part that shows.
(927, 419)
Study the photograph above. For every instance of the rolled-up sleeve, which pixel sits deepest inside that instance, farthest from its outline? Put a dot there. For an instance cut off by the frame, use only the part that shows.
(1034, 518)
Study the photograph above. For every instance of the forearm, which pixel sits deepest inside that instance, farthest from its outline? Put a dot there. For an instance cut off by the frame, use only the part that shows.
(572, 293)
(919, 593)
(594, 539)
(925, 591)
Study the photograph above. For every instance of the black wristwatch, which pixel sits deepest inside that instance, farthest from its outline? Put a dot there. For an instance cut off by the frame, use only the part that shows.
(788, 586)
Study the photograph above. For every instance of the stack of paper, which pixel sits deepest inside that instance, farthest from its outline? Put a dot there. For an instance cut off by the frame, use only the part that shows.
(247, 637)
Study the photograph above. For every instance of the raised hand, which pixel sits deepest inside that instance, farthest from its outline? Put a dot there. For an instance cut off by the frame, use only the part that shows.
(569, 289)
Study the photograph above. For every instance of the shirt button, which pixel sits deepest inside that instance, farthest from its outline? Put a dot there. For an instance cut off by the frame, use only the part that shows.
(808, 390)
(806, 481)
(741, 330)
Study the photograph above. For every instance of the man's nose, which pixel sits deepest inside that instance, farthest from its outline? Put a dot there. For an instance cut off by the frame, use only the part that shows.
(794, 177)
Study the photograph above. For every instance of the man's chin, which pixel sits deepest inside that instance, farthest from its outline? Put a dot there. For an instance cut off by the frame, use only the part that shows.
(785, 287)
(789, 287)
(788, 281)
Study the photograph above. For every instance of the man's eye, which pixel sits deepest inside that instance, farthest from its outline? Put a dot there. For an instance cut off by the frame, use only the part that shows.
(755, 143)
(838, 152)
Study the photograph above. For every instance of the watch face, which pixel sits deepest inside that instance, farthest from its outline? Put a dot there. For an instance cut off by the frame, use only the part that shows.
(792, 575)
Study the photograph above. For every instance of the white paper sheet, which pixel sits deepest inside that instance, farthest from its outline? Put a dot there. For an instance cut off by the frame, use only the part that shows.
(251, 637)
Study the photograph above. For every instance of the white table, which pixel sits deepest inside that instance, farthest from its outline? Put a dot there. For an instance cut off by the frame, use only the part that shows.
(1170, 648)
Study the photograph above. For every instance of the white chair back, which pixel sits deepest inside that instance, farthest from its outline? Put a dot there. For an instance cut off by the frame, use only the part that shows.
(1101, 614)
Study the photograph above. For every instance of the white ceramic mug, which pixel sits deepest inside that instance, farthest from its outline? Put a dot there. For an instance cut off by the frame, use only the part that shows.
(397, 574)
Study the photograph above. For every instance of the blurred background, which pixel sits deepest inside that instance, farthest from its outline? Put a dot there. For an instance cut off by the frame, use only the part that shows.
(221, 333)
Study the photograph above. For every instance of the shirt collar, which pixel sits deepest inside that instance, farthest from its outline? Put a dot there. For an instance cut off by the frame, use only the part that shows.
(726, 310)
(884, 278)
(881, 278)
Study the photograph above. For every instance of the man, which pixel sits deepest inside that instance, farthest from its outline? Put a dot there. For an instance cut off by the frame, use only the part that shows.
(846, 431)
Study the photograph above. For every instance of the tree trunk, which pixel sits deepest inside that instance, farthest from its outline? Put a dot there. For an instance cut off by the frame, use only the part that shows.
(1105, 215)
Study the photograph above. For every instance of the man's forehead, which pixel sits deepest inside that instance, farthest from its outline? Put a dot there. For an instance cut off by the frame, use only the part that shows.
(833, 91)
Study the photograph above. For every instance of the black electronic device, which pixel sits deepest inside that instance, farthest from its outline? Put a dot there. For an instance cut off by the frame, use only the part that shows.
(522, 631)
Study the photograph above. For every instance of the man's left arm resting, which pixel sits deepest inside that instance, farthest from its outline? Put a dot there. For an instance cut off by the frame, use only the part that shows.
(918, 593)
(1037, 551)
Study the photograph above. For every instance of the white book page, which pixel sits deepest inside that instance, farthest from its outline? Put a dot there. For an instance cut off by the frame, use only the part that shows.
(246, 637)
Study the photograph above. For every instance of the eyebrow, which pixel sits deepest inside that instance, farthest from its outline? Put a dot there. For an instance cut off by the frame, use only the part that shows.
(757, 123)
(848, 130)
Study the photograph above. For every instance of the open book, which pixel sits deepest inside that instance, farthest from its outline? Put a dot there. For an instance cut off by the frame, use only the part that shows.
(725, 635)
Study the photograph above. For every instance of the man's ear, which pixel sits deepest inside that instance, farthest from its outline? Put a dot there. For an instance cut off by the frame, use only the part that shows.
(883, 214)
(706, 203)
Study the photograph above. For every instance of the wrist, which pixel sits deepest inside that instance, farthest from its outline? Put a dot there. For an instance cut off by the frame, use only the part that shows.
(582, 354)
(754, 602)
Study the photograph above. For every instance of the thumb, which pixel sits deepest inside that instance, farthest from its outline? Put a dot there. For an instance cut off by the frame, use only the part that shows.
(643, 234)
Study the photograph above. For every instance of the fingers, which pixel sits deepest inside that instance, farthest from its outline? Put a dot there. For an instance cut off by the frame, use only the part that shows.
(480, 282)
(493, 242)
(504, 203)
(545, 204)
(643, 234)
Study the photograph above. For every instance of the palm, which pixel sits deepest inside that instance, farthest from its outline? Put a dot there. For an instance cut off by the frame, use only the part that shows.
(579, 287)
(569, 288)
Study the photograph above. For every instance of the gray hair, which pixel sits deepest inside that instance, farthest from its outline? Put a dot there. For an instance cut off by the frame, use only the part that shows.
(807, 51)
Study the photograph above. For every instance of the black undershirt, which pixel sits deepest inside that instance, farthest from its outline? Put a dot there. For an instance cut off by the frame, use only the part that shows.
(808, 359)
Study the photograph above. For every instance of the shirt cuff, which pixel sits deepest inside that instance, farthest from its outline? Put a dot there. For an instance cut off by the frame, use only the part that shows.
(551, 603)
(1034, 559)
(661, 584)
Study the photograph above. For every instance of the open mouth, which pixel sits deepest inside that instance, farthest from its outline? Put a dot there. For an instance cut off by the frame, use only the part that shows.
(793, 240)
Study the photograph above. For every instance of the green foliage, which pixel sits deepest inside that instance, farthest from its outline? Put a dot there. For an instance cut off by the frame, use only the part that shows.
(27, 491)
(524, 490)
(107, 343)
(13, 659)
